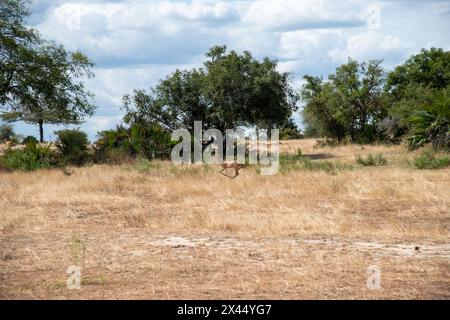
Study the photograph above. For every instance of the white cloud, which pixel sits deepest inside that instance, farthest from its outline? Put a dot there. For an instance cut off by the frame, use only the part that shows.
(305, 44)
(138, 32)
(294, 14)
(372, 45)
(100, 123)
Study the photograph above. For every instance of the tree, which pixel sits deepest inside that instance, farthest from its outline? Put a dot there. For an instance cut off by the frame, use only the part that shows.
(231, 90)
(244, 91)
(17, 45)
(419, 92)
(321, 114)
(175, 102)
(350, 103)
(40, 81)
(430, 69)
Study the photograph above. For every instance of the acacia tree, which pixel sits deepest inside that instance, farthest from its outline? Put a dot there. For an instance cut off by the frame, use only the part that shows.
(40, 81)
(231, 90)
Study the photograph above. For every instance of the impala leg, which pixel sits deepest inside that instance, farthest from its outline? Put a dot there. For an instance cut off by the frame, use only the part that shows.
(222, 172)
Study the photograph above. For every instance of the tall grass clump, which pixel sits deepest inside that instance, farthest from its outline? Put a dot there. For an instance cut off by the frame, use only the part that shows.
(296, 162)
(371, 160)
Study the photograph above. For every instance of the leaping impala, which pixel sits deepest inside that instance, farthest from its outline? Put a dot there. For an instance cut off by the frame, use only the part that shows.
(231, 165)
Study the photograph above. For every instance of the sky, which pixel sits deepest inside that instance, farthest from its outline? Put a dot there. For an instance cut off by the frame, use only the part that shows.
(134, 43)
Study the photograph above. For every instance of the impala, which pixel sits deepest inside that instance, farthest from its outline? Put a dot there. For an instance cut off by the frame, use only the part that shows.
(231, 165)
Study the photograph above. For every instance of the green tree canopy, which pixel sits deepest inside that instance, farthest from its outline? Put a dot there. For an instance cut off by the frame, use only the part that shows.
(349, 104)
(419, 93)
(40, 82)
(430, 69)
(231, 90)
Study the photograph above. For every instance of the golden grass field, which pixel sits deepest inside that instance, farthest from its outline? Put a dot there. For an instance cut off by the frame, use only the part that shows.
(159, 231)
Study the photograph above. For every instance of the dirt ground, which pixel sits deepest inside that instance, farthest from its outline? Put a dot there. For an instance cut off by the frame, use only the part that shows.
(157, 231)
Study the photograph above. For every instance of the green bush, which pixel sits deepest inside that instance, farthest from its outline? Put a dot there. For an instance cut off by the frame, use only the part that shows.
(290, 134)
(147, 141)
(428, 160)
(72, 145)
(32, 157)
(371, 161)
(111, 156)
(6, 132)
(30, 139)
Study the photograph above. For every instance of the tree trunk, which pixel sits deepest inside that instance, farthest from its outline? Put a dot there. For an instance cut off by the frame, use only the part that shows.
(41, 130)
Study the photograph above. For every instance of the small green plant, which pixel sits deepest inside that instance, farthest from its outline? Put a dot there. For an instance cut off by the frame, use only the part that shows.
(371, 160)
(428, 160)
(32, 157)
(72, 145)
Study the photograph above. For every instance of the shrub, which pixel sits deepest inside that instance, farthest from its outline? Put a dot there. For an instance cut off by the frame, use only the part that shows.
(111, 156)
(428, 160)
(6, 132)
(73, 146)
(147, 141)
(371, 161)
(30, 139)
(32, 157)
(428, 127)
(290, 134)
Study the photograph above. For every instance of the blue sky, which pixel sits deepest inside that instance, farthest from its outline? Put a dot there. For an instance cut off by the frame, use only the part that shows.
(134, 43)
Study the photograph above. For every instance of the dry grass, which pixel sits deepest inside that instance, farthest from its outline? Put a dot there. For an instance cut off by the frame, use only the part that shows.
(153, 230)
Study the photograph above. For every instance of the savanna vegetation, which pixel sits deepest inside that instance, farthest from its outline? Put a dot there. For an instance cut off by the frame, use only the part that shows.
(41, 82)
(366, 181)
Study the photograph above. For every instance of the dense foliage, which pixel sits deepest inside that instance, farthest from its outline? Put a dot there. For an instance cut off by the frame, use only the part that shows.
(350, 104)
(138, 140)
(419, 94)
(73, 146)
(231, 90)
(362, 103)
(32, 157)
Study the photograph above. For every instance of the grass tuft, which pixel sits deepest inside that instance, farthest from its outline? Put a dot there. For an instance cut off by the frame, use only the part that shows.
(428, 160)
